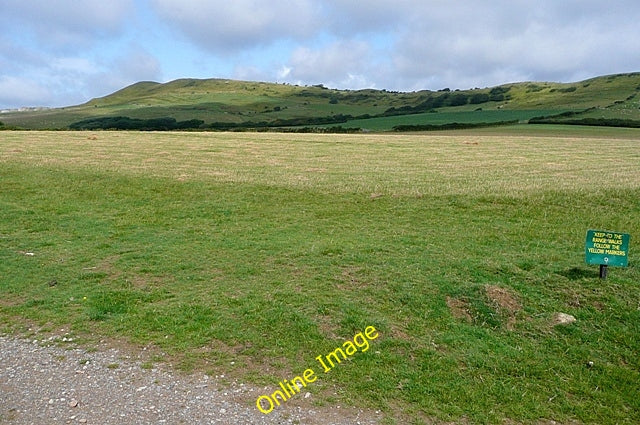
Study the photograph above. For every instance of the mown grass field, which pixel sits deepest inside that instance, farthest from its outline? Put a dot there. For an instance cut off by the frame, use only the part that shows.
(250, 254)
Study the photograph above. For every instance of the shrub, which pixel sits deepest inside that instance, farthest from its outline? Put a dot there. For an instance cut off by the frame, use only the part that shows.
(564, 90)
(479, 98)
(450, 126)
(459, 99)
(600, 122)
(499, 90)
(126, 123)
(534, 88)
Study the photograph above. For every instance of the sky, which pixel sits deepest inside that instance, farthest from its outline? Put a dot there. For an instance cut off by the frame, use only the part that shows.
(65, 52)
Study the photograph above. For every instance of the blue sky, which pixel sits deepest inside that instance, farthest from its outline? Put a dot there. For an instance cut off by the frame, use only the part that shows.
(64, 52)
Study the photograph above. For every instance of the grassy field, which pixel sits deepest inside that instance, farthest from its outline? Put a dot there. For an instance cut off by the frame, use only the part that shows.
(250, 254)
(439, 118)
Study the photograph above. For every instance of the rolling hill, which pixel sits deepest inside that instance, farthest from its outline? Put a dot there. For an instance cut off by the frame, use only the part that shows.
(228, 104)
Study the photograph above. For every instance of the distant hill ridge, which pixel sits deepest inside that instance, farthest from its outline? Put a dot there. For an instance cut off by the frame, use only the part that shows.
(222, 104)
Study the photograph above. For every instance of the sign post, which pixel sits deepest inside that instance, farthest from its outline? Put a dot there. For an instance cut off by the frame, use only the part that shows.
(607, 248)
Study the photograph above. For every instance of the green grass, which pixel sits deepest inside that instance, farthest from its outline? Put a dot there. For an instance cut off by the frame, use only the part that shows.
(268, 250)
(446, 116)
(244, 102)
(599, 92)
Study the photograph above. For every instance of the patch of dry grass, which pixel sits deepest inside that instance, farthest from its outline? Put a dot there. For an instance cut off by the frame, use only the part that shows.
(400, 165)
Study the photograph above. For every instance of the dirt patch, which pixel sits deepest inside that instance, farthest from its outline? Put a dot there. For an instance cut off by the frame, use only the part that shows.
(12, 300)
(399, 332)
(105, 266)
(505, 302)
(327, 327)
(404, 415)
(459, 309)
(350, 278)
(146, 281)
(503, 299)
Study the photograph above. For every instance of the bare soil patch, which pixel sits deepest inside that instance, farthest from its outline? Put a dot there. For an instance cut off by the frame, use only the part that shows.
(505, 302)
(459, 309)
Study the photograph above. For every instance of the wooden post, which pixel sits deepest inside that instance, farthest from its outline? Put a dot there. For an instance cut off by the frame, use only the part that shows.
(603, 271)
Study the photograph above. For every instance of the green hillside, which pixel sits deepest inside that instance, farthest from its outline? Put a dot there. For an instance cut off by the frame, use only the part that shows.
(228, 104)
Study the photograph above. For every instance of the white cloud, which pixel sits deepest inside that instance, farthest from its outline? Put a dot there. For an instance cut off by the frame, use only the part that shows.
(137, 65)
(15, 58)
(478, 46)
(18, 92)
(225, 26)
(65, 51)
(73, 65)
(340, 64)
(134, 65)
(251, 73)
(66, 23)
(350, 18)
(432, 44)
(68, 80)
(284, 73)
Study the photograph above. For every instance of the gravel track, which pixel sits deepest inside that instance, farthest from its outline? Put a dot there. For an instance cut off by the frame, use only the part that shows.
(48, 384)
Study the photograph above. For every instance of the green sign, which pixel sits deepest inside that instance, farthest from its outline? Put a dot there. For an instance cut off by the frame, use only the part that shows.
(607, 248)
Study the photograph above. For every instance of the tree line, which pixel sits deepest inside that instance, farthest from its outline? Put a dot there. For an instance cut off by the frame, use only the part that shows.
(432, 102)
(126, 123)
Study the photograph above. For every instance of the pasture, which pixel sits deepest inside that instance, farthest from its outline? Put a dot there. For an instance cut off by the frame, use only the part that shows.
(249, 254)
(440, 118)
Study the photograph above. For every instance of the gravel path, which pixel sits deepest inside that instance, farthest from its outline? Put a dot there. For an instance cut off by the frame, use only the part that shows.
(42, 384)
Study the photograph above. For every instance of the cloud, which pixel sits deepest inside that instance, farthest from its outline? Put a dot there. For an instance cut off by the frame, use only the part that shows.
(47, 49)
(339, 64)
(224, 26)
(351, 18)
(411, 44)
(16, 91)
(284, 73)
(133, 65)
(476, 46)
(66, 23)
(137, 65)
(63, 52)
(66, 80)
(15, 59)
